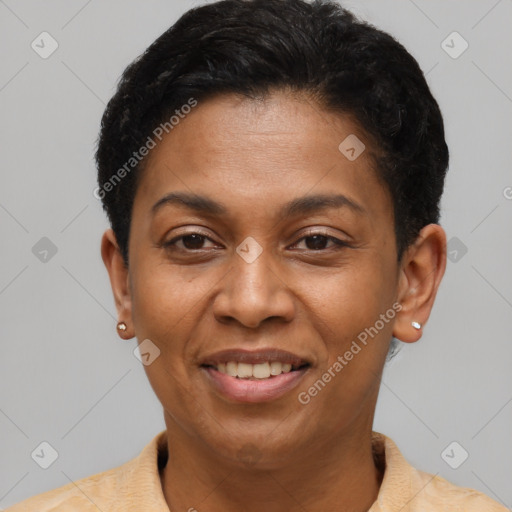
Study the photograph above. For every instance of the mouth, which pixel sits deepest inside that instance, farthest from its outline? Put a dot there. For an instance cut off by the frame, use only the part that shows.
(245, 376)
(263, 364)
(260, 371)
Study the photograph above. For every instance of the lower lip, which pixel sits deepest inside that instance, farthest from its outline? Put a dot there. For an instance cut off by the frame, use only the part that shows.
(253, 391)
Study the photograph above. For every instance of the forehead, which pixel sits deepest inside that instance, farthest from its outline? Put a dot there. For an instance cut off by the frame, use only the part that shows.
(269, 149)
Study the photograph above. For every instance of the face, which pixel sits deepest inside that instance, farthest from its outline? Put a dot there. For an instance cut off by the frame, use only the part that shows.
(256, 244)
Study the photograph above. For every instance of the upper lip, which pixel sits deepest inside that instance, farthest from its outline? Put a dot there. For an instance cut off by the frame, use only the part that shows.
(254, 357)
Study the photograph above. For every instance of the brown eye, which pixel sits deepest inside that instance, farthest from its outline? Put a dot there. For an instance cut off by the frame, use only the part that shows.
(316, 242)
(188, 242)
(193, 241)
(320, 241)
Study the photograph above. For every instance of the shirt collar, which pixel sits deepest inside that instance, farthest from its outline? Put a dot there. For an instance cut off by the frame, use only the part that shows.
(400, 483)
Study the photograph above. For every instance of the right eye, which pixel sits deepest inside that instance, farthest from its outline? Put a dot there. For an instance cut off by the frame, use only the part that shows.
(189, 242)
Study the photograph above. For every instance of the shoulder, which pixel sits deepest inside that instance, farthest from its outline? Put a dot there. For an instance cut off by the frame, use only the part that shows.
(440, 494)
(75, 496)
(405, 488)
(133, 486)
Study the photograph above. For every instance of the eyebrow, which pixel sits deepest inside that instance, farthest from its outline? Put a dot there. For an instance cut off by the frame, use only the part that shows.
(299, 206)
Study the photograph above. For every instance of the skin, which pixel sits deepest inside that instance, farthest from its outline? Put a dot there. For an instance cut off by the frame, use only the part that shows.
(254, 156)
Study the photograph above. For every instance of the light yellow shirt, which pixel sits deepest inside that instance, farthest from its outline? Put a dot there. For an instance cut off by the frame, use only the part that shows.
(136, 487)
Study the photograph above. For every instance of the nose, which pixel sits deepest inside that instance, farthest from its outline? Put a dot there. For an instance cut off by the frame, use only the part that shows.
(253, 293)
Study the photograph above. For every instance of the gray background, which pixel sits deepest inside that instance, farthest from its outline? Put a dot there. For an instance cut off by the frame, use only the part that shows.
(67, 378)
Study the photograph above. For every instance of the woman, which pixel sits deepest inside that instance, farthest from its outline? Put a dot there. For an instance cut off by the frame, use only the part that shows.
(272, 171)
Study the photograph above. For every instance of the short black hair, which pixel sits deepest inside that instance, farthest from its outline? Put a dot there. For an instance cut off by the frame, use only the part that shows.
(254, 47)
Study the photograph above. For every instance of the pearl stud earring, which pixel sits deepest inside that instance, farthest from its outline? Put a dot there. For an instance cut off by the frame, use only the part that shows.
(416, 325)
(121, 327)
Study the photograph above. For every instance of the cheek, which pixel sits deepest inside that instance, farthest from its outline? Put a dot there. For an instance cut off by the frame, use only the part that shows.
(161, 296)
(154, 301)
(353, 357)
(351, 298)
(160, 304)
(347, 312)
(167, 307)
(159, 313)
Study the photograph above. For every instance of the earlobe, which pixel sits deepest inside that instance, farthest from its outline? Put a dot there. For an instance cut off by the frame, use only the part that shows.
(119, 281)
(421, 271)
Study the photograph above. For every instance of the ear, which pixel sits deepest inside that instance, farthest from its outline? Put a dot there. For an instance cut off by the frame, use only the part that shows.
(421, 270)
(119, 280)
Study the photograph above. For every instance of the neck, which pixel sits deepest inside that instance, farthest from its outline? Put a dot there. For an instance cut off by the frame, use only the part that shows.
(334, 474)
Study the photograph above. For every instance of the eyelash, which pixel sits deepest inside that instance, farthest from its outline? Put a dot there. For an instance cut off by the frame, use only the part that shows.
(339, 244)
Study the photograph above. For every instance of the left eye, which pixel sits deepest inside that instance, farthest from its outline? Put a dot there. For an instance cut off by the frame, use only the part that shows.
(318, 241)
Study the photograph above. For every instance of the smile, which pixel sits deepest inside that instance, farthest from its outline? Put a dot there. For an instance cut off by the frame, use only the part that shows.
(255, 371)
(252, 377)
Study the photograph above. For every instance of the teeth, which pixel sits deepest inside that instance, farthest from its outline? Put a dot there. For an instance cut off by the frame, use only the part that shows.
(261, 371)
(231, 369)
(257, 371)
(244, 370)
(275, 368)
